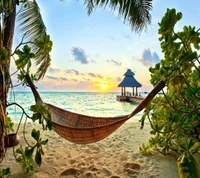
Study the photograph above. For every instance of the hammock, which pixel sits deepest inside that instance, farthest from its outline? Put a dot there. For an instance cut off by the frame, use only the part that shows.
(83, 129)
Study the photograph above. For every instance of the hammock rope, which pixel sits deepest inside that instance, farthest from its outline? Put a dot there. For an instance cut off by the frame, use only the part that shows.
(83, 129)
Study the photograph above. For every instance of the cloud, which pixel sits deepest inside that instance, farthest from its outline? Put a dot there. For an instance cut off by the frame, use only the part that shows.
(72, 72)
(86, 79)
(91, 74)
(111, 37)
(52, 70)
(63, 78)
(113, 62)
(79, 55)
(149, 59)
(119, 79)
(93, 61)
(85, 85)
(97, 55)
(75, 80)
(98, 75)
(127, 36)
(51, 77)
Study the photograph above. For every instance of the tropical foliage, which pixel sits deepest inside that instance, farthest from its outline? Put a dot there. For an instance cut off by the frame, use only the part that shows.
(175, 115)
(135, 12)
(35, 46)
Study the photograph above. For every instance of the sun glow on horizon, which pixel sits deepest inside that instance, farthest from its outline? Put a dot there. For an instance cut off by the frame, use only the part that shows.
(103, 86)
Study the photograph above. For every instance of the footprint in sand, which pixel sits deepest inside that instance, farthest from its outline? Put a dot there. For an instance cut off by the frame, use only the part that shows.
(106, 172)
(87, 150)
(80, 165)
(72, 161)
(70, 171)
(89, 175)
(131, 168)
(94, 148)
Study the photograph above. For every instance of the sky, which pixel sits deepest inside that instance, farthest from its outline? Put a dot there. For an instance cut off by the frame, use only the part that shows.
(92, 53)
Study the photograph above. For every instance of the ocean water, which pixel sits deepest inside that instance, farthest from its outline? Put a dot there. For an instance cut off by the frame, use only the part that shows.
(88, 103)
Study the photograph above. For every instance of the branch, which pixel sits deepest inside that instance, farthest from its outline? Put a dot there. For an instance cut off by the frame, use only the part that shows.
(149, 97)
(14, 73)
(181, 121)
(190, 87)
(19, 107)
(193, 35)
(27, 116)
(24, 130)
(16, 85)
(171, 104)
(22, 43)
(196, 59)
(185, 46)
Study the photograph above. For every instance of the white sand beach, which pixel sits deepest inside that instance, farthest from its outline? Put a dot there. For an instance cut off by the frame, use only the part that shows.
(117, 156)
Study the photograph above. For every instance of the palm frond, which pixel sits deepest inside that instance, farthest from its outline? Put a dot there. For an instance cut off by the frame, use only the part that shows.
(44, 64)
(31, 25)
(135, 12)
(30, 21)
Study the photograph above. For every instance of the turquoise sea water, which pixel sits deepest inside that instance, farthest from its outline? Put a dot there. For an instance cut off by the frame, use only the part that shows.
(88, 103)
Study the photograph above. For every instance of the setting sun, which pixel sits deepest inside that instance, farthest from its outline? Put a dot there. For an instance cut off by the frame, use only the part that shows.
(103, 86)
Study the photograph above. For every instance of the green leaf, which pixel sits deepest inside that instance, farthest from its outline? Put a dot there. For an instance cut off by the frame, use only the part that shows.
(189, 168)
(24, 58)
(49, 124)
(152, 132)
(142, 121)
(195, 147)
(38, 158)
(29, 152)
(19, 151)
(44, 142)
(35, 134)
(5, 171)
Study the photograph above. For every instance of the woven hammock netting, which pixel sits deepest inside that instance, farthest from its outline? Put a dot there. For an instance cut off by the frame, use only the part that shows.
(83, 129)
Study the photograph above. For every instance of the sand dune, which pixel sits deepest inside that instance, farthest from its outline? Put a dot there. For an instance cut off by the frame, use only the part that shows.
(117, 156)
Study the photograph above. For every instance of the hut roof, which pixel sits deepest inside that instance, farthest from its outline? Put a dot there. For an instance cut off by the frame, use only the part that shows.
(129, 73)
(129, 80)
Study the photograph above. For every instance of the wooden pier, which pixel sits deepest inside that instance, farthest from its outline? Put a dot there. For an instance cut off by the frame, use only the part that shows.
(134, 99)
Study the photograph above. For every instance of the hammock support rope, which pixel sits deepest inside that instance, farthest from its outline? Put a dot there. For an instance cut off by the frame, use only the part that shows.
(83, 129)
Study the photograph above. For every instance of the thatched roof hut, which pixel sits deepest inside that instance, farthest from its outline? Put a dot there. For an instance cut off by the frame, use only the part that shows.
(129, 81)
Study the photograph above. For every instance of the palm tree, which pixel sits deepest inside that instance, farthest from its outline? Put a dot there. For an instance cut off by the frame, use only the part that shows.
(135, 12)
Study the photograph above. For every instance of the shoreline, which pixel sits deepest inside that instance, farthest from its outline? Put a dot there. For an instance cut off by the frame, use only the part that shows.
(117, 156)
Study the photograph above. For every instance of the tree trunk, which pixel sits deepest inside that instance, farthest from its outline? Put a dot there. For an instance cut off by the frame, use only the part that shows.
(2, 112)
(7, 41)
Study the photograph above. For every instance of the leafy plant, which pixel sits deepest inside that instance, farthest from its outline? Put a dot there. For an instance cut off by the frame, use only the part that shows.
(9, 124)
(25, 156)
(175, 116)
(42, 114)
(5, 173)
